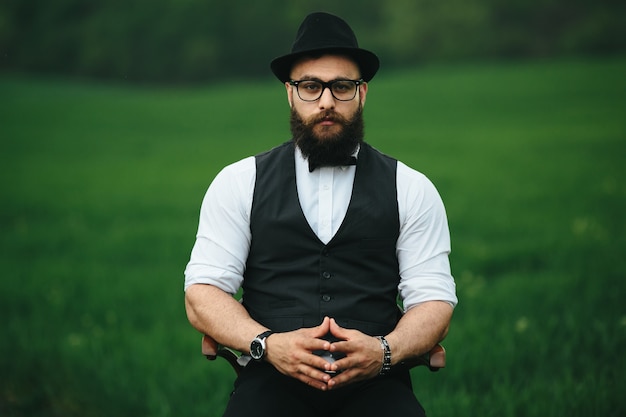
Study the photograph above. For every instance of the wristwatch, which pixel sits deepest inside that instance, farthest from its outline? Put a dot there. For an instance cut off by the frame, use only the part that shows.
(257, 347)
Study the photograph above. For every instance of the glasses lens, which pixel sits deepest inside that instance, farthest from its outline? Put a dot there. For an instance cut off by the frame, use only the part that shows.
(310, 90)
(343, 90)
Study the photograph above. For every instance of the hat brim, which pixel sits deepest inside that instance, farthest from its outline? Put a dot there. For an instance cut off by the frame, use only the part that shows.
(367, 61)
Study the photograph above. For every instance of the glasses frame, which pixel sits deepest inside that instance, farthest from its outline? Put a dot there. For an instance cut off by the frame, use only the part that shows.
(326, 85)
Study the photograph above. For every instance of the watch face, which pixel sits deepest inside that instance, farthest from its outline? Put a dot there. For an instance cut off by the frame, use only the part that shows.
(256, 349)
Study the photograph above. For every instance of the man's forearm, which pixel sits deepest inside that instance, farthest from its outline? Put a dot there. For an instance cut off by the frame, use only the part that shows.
(421, 328)
(217, 314)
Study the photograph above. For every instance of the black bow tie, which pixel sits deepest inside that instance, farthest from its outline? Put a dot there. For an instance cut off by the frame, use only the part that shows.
(349, 160)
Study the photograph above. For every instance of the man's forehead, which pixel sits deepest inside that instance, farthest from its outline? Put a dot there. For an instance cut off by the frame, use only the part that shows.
(325, 66)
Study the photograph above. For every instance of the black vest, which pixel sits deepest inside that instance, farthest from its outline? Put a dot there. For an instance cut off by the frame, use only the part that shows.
(293, 280)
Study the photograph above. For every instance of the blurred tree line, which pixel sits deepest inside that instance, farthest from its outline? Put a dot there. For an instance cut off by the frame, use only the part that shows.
(185, 41)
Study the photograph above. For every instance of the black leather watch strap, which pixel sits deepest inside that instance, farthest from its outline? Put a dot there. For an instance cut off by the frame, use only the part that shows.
(264, 335)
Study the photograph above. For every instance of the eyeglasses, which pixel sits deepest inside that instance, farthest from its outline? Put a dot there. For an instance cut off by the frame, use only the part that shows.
(312, 90)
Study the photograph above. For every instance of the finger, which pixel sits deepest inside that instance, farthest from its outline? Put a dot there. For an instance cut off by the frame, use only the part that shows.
(338, 331)
(314, 383)
(334, 327)
(314, 344)
(344, 378)
(343, 346)
(322, 329)
(342, 364)
(316, 335)
(313, 378)
(319, 363)
(304, 367)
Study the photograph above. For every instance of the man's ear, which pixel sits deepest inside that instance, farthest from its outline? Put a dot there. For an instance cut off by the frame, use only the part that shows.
(363, 93)
(289, 88)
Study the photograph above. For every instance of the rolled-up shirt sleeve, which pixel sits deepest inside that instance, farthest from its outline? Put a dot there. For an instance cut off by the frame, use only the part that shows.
(424, 242)
(222, 243)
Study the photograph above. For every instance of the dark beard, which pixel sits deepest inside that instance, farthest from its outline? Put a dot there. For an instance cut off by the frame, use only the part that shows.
(331, 150)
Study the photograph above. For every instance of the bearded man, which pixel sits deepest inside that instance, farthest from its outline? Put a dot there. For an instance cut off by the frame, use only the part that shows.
(322, 233)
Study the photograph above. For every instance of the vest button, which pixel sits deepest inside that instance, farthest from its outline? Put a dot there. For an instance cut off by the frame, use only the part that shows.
(326, 297)
(326, 275)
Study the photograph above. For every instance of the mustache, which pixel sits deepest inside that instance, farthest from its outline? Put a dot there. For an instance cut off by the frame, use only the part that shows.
(327, 115)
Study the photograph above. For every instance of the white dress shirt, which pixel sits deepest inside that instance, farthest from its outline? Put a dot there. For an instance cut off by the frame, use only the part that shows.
(223, 239)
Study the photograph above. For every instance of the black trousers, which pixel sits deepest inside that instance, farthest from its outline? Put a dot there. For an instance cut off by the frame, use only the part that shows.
(262, 391)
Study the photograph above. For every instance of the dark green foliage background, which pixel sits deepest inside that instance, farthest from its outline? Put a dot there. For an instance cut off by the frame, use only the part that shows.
(173, 42)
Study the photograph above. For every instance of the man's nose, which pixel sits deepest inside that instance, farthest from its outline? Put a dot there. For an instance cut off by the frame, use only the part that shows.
(327, 101)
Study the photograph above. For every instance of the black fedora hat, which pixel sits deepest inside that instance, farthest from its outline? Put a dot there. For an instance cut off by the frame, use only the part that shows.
(325, 33)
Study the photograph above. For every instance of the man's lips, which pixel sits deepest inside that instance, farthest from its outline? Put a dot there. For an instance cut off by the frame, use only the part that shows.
(327, 121)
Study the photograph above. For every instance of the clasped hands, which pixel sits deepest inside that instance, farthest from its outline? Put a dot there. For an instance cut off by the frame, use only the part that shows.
(291, 353)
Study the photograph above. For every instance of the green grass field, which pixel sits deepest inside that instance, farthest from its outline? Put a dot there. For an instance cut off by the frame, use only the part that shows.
(100, 188)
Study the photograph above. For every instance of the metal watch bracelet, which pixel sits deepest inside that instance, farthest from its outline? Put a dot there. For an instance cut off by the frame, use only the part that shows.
(386, 355)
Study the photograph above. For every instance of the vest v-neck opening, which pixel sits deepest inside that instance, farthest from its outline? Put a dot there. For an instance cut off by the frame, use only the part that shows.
(328, 207)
